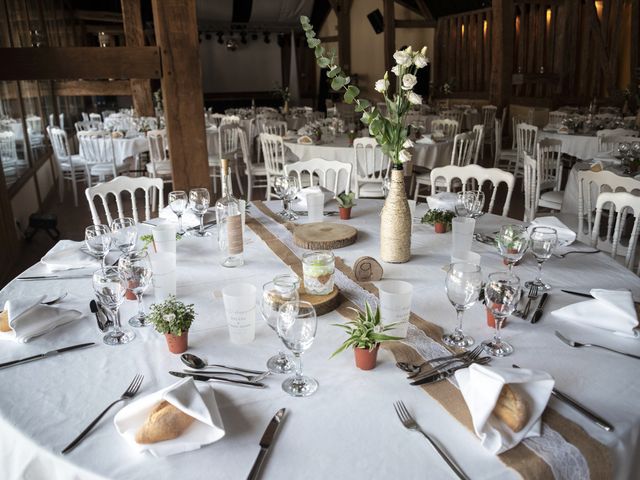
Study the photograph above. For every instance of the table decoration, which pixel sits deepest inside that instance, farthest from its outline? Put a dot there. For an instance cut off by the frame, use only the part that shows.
(395, 305)
(389, 131)
(173, 319)
(163, 266)
(324, 235)
(318, 270)
(367, 269)
(440, 219)
(345, 204)
(315, 206)
(165, 237)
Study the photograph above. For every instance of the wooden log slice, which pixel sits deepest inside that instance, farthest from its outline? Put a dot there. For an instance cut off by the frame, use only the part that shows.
(324, 236)
(322, 303)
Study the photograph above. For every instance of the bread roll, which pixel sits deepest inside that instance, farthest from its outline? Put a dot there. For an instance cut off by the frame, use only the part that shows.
(163, 423)
(4, 321)
(511, 409)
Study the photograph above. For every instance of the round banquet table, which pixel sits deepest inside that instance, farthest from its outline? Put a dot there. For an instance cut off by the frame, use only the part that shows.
(348, 429)
(124, 148)
(583, 147)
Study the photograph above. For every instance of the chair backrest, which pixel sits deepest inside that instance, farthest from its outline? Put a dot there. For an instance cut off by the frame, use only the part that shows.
(531, 187)
(87, 125)
(619, 205)
(549, 156)
(95, 117)
(497, 131)
(370, 163)
(97, 147)
(556, 117)
(273, 151)
(448, 127)
(609, 143)
(263, 118)
(158, 148)
(115, 188)
(60, 145)
(526, 138)
(61, 120)
(494, 176)
(515, 121)
(244, 147)
(332, 175)
(478, 138)
(488, 117)
(106, 113)
(215, 118)
(8, 150)
(313, 116)
(227, 139)
(463, 149)
(230, 119)
(455, 114)
(590, 186)
(85, 117)
(275, 127)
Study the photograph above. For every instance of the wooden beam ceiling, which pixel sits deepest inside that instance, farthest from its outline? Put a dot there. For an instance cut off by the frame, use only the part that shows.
(95, 16)
(89, 88)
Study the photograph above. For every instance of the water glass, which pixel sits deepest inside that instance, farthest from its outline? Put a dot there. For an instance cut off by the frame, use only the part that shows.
(395, 305)
(462, 236)
(178, 202)
(98, 240)
(124, 234)
(315, 206)
(542, 242)
(240, 308)
(200, 200)
(502, 294)
(286, 187)
(110, 286)
(297, 325)
(512, 242)
(164, 238)
(163, 266)
(136, 269)
(463, 285)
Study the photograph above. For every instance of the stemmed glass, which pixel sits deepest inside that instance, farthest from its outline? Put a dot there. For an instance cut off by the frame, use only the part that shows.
(98, 240)
(463, 285)
(110, 286)
(124, 234)
(502, 294)
(274, 294)
(297, 324)
(512, 242)
(470, 204)
(136, 269)
(178, 201)
(542, 242)
(199, 199)
(286, 187)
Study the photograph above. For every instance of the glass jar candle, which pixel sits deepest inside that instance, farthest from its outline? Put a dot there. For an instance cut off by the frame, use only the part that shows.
(318, 269)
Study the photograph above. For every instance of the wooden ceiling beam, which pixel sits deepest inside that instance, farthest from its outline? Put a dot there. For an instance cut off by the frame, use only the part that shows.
(109, 29)
(91, 16)
(424, 9)
(90, 88)
(409, 6)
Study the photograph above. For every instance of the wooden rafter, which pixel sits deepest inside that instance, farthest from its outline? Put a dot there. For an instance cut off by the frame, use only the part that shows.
(424, 9)
(73, 88)
(343, 13)
(91, 16)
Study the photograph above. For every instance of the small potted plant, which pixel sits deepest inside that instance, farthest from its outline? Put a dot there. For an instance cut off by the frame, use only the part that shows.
(366, 333)
(352, 135)
(345, 202)
(173, 319)
(440, 219)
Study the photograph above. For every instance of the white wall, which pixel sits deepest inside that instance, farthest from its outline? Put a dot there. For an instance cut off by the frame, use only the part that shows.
(252, 67)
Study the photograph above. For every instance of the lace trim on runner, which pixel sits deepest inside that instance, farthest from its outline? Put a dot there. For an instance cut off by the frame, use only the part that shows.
(564, 459)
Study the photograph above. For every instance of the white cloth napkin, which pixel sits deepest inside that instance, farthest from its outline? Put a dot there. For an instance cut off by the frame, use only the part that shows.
(197, 401)
(426, 140)
(67, 255)
(189, 219)
(566, 236)
(29, 318)
(443, 201)
(610, 310)
(480, 386)
(300, 202)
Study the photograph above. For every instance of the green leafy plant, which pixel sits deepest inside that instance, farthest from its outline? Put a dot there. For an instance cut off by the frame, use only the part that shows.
(282, 93)
(436, 215)
(171, 316)
(346, 200)
(388, 129)
(148, 240)
(365, 331)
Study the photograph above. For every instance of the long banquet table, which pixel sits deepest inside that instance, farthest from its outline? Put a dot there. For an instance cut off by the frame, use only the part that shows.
(348, 429)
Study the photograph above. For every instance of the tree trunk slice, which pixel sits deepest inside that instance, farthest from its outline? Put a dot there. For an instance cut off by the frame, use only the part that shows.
(324, 236)
(367, 269)
(323, 304)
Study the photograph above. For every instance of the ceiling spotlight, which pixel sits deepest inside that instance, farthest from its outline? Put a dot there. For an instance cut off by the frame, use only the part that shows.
(243, 38)
(267, 39)
(232, 45)
(220, 41)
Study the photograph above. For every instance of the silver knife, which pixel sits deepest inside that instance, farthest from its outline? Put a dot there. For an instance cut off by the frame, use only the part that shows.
(51, 353)
(438, 376)
(580, 294)
(265, 443)
(54, 277)
(538, 313)
(206, 378)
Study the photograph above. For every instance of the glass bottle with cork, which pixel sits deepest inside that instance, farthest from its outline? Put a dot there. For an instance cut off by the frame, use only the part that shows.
(229, 218)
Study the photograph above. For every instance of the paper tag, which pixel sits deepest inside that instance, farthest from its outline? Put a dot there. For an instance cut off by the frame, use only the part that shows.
(234, 234)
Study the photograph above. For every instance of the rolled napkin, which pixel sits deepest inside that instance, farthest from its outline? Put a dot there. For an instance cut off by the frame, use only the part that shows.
(610, 310)
(68, 255)
(566, 236)
(198, 402)
(443, 201)
(494, 408)
(300, 202)
(25, 318)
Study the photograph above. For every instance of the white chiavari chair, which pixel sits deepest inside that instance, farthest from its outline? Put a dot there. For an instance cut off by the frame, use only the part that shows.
(98, 151)
(256, 172)
(488, 122)
(159, 165)
(69, 166)
(504, 159)
(275, 127)
(371, 168)
(526, 140)
(454, 114)
(9, 154)
(224, 144)
(556, 118)
(448, 127)
(478, 134)
(273, 151)
(230, 119)
(332, 175)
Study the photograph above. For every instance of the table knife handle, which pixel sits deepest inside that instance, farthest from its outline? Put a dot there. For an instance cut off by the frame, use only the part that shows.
(602, 423)
(255, 470)
(22, 360)
(617, 351)
(445, 456)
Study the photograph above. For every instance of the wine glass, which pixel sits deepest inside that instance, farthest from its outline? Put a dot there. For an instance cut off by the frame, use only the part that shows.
(110, 286)
(283, 288)
(178, 201)
(297, 324)
(501, 294)
(124, 233)
(542, 242)
(286, 187)
(98, 240)
(136, 269)
(512, 242)
(470, 204)
(463, 285)
(199, 200)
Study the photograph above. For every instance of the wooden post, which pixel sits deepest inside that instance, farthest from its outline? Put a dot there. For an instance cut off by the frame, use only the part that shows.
(635, 51)
(343, 11)
(134, 36)
(389, 39)
(177, 36)
(502, 53)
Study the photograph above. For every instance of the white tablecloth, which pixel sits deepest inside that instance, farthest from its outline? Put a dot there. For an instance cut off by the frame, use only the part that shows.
(124, 148)
(583, 147)
(348, 429)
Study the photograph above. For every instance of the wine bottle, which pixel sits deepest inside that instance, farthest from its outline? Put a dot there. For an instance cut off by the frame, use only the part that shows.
(229, 219)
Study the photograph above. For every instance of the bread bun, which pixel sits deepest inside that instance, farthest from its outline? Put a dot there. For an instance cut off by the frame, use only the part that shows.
(511, 409)
(4, 321)
(164, 422)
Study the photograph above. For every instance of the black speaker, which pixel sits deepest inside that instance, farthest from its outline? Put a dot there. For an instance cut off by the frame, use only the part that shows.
(376, 20)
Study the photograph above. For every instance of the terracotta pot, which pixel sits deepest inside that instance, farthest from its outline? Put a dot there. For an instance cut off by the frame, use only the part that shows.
(491, 320)
(440, 227)
(177, 343)
(365, 358)
(129, 295)
(345, 213)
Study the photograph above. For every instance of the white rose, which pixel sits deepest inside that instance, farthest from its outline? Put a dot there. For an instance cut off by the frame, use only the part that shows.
(414, 98)
(420, 60)
(396, 70)
(423, 52)
(409, 81)
(402, 58)
(405, 156)
(407, 144)
(381, 85)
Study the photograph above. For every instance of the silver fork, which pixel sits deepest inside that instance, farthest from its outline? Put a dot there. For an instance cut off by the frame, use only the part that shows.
(413, 367)
(533, 293)
(470, 356)
(129, 393)
(409, 423)
(574, 344)
(562, 255)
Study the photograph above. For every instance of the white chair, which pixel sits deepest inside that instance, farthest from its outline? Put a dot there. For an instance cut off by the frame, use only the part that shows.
(455, 114)
(88, 125)
(85, 117)
(488, 122)
(106, 114)
(449, 174)
(224, 144)
(478, 134)
(371, 168)
(556, 118)
(159, 165)
(275, 127)
(314, 116)
(273, 151)
(549, 156)
(256, 172)
(504, 159)
(526, 140)
(609, 134)
(95, 117)
(448, 127)
(263, 118)
(332, 175)
(610, 143)
(9, 154)
(230, 119)
(97, 150)
(70, 167)
(115, 188)
(215, 119)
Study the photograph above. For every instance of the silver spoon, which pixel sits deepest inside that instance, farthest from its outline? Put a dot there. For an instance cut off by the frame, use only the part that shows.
(193, 361)
(55, 300)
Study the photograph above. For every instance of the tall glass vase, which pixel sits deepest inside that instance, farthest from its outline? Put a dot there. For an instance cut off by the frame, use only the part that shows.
(395, 221)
